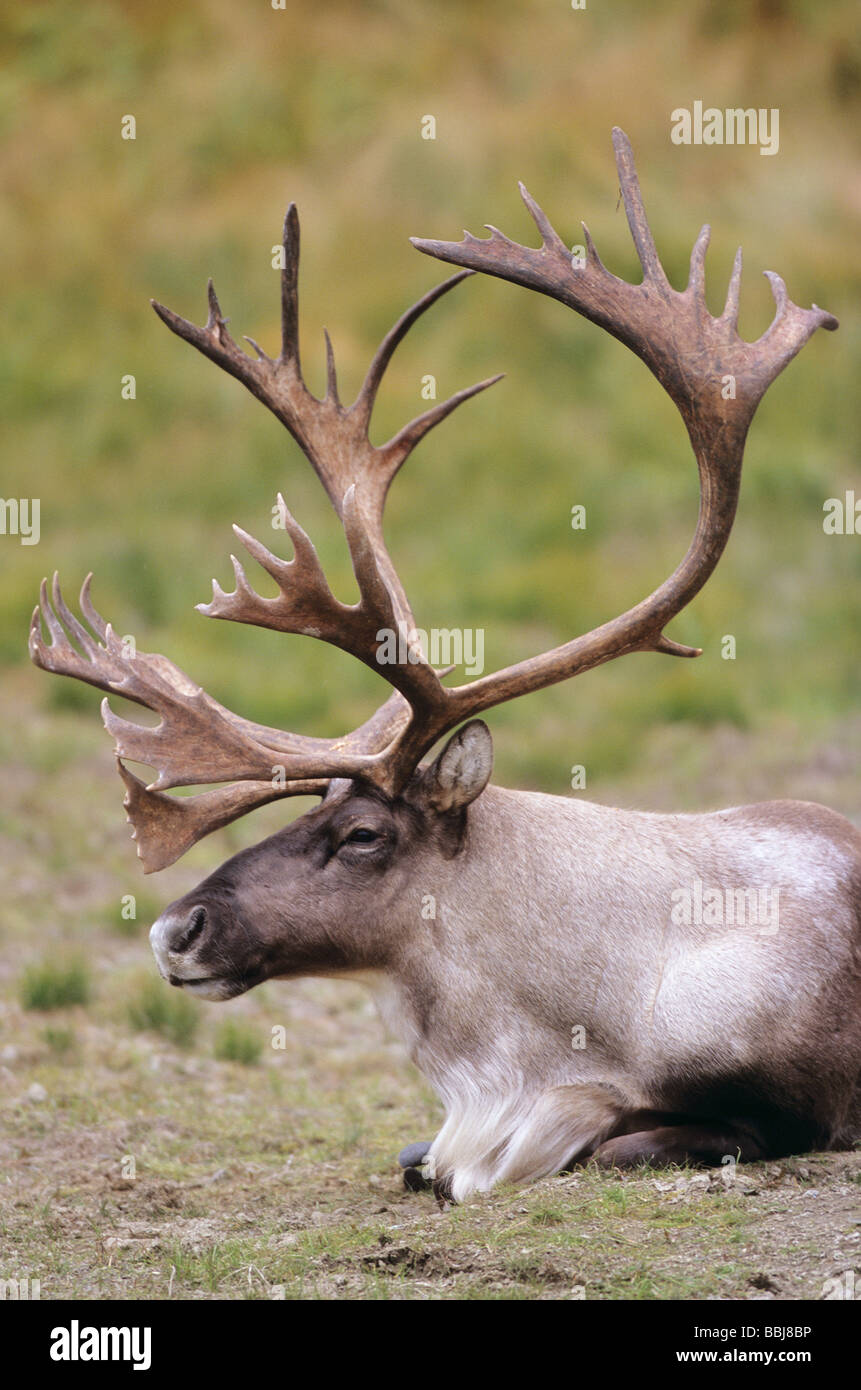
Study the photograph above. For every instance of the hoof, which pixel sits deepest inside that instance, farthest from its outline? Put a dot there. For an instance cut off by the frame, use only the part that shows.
(415, 1180)
(411, 1159)
(414, 1155)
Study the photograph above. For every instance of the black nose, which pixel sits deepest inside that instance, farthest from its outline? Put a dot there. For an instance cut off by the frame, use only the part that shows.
(184, 934)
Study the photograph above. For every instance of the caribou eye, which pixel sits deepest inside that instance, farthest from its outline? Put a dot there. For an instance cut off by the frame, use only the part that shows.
(362, 836)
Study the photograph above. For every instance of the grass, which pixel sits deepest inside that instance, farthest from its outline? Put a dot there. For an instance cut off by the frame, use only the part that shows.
(61, 1041)
(54, 985)
(157, 1009)
(132, 914)
(236, 1042)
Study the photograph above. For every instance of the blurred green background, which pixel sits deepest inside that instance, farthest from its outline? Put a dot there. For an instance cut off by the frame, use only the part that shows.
(240, 108)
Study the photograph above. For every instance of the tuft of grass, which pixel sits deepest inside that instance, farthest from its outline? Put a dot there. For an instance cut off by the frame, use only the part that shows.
(549, 1214)
(157, 1009)
(211, 1266)
(55, 985)
(61, 1041)
(235, 1042)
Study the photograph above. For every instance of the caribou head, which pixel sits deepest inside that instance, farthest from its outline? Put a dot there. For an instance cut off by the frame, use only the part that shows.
(359, 858)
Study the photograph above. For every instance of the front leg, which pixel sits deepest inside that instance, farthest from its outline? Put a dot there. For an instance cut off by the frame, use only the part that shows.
(486, 1141)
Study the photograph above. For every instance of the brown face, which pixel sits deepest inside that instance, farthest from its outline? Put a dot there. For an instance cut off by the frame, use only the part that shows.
(322, 895)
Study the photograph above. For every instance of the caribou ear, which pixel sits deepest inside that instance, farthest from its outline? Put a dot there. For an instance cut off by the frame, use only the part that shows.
(462, 770)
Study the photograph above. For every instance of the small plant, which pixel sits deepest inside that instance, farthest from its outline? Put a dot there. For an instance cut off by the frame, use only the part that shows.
(237, 1043)
(157, 1010)
(61, 1041)
(55, 985)
(547, 1215)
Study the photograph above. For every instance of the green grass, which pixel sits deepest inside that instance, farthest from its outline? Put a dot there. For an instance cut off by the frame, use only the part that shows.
(236, 1042)
(55, 985)
(158, 1009)
(132, 914)
(61, 1041)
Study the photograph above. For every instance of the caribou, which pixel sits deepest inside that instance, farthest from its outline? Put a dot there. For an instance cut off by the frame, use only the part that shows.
(577, 982)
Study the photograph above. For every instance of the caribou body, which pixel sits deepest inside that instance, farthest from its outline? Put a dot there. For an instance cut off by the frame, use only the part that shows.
(545, 965)
(575, 981)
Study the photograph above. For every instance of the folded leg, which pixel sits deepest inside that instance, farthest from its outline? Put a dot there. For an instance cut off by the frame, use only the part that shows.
(707, 1143)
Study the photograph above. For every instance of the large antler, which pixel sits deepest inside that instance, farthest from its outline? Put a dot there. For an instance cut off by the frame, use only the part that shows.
(198, 740)
(694, 356)
(715, 378)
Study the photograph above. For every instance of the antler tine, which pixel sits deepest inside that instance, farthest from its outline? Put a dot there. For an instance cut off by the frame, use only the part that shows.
(364, 402)
(641, 232)
(290, 288)
(331, 372)
(68, 619)
(401, 445)
(696, 275)
(550, 239)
